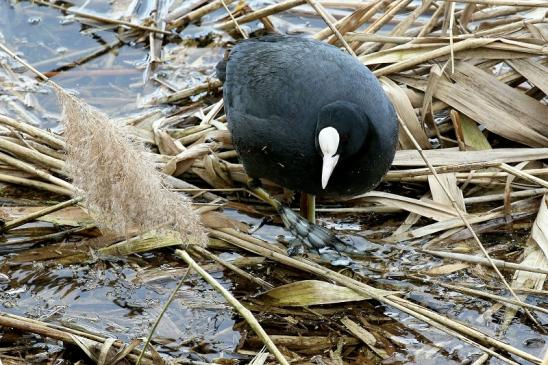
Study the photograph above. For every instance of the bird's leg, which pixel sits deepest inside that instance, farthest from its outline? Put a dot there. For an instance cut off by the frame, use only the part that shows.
(307, 235)
(308, 207)
(311, 213)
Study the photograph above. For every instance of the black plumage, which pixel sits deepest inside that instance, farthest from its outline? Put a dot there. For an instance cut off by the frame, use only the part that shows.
(280, 91)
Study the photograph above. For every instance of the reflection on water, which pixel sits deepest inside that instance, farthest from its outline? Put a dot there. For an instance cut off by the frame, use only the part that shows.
(108, 298)
(111, 80)
(121, 297)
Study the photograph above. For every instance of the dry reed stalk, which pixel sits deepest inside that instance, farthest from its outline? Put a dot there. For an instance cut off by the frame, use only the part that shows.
(349, 22)
(450, 160)
(147, 242)
(56, 189)
(466, 15)
(451, 30)
(432, 22)
(524, 175)
(52, 237)
(41, 135)
(119, 184)
(197, 14)
(65, 334)
(496, 197)
(486, 182)
(216, 108)
(484, 294)
(377, 25)
(489, 13)
(180, 133)
(436, 73)
(185, 8)
(368, 16)
(506, 28)
(42, 148)
(403, 26)
(528, 3)
(260, 282)
(102, 19)
(368, 37)
(483, 261)
(466, 222)
(324, 15)
(194, 90)
(244, 35)
(430, 55)
(261, 13)
(243, 311)
(30, 217)
(191, 138)
(31, 154)
(399, 29)
(440, 322)
(23, 166)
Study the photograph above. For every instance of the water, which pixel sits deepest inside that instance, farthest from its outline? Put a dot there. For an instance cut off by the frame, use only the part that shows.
(121, 297)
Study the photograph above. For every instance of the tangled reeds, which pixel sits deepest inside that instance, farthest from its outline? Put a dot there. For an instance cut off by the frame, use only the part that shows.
(468, 80)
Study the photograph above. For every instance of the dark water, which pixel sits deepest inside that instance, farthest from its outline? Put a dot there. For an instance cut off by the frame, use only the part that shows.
(121, 297)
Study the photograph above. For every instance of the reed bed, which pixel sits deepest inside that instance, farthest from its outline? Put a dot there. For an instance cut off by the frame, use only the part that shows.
(465, 201)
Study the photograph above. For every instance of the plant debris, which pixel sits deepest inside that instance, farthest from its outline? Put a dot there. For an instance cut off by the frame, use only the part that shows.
(144, 123)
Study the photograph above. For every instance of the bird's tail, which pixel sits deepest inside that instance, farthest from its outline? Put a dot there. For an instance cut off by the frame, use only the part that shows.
(220, 68)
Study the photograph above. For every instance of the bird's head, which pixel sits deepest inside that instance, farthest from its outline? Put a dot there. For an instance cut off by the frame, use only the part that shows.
(340, 133)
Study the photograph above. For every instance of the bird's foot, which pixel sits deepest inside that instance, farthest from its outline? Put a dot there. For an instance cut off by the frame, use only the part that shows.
(314, 236)
(295, 247)
(310, 236)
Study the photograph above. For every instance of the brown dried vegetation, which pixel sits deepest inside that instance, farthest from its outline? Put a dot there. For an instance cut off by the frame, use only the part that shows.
(468, 80)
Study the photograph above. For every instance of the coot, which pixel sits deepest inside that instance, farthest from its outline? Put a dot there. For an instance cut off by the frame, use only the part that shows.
(307, 116)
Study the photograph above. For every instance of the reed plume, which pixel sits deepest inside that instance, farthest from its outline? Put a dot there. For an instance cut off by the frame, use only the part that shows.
(120, 185)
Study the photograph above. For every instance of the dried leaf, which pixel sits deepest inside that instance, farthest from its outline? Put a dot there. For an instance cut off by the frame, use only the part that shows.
(312, 292)
(473, 137)
(450, 156)
(424, 207)
(501, 108)
(405, 110)
(446, 269)
(71, 216)
(448, 180)
(165, 143)
(180, 163)
(365, 336)
(214, 219)
(533, 71)
(535, 255)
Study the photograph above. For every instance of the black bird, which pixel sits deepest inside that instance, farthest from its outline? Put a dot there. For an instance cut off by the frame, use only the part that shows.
(307, 116)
